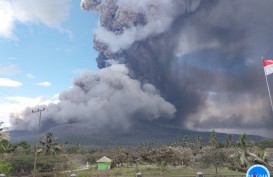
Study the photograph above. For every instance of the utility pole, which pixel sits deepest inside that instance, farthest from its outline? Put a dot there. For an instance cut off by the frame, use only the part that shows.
(39, 113)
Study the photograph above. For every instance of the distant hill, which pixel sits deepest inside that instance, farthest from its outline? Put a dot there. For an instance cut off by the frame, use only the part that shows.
(107, 137)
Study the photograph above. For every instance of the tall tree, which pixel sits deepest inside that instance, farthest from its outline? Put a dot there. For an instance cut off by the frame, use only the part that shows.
(213, 139)
(22, 147)
(198, 142)
(49, 146)
(214, 157)
(229, 141)
(246, 157)
(186, 141)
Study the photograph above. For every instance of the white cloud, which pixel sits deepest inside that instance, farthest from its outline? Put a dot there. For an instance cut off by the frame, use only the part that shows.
(46, 84)
(6, 82)
(31, 102)
(30, 76)
(49, 12)
(14, 105)
(9, 70)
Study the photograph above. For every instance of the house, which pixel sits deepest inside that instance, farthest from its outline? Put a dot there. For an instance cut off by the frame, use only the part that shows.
(104, 163)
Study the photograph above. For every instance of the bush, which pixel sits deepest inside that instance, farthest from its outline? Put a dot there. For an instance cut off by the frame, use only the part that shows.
(52, 163)
(23, 164)
(5, 167)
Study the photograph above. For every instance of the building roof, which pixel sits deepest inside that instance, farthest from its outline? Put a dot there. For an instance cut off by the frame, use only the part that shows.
(104, 159)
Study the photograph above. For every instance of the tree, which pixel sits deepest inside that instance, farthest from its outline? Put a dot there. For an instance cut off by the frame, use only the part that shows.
(266, 143)
(49, 146)
(186, 141)
(74, 149)
(120, 156)
(6, 146)
(198, 142)
(182, 155)
(214, 157)
(3, 135)
(213, 139)
(22, 147)
(246, 157)
(228, 141)
(162, 156)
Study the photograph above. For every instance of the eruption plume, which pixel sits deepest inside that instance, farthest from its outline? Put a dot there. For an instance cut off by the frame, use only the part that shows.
(107, 98)
(194, 60)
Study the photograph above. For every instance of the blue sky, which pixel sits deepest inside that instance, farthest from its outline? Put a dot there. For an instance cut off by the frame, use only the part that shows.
(42, 51)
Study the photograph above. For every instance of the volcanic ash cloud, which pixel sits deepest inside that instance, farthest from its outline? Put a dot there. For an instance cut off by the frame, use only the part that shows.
(108, 97)
(201, 55)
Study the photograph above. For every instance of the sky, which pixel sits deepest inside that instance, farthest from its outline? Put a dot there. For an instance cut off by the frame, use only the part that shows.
(42, 49)
(193, 64)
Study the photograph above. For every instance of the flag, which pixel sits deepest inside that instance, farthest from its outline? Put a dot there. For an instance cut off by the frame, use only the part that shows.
(268, 66)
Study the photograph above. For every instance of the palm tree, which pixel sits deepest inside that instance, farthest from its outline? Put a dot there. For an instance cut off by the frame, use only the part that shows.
(198, 142)
(229, 141)
(186, 141)
(213, 139)
(49, 146)
(247, 158)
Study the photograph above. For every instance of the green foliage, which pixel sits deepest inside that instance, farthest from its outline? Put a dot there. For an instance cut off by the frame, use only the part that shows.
(266, 143)
(74, 149)
(51, 163)
(19, 148)
(168, 155)
(214, 157)
(228, 141)
(248, 158)
(3, 134)
(24, 145)
(5, 167)
(243, 142)
(22, 164)
(120, 156)
(6, 146)
(213, 139)
(186, 142)
(49, 146)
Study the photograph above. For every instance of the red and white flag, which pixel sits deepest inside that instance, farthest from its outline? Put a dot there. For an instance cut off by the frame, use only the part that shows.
(268, 66)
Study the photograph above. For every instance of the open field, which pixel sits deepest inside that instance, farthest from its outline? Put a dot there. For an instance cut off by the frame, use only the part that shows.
(153, 171)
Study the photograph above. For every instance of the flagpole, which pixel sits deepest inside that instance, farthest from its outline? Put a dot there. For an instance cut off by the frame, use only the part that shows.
(268, 88)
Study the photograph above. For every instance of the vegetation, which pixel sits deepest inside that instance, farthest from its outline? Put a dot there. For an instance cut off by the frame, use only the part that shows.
(214, 157)
(49, 145)
(5, 167)
(3, 134)
(177, 158)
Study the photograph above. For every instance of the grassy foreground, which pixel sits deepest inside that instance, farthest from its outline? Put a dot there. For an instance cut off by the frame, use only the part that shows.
(154, 171)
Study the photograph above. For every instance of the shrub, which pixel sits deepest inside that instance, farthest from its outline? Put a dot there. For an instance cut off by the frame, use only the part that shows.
(5, 167)
(23, 164)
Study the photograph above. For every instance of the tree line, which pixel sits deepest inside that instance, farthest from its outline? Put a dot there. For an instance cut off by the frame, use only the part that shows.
(54, 156)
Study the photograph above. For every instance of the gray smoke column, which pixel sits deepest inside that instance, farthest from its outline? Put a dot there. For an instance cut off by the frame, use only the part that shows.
(203, 56)
(108, 97)
(197, 61)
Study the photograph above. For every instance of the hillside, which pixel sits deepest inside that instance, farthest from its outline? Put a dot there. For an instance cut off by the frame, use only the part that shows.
(140, 133)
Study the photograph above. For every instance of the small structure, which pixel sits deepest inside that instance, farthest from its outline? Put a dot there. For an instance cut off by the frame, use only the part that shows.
(104, 163)
(199, 174)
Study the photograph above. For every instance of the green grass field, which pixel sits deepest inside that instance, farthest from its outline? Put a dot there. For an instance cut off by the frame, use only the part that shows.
(149, 171)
